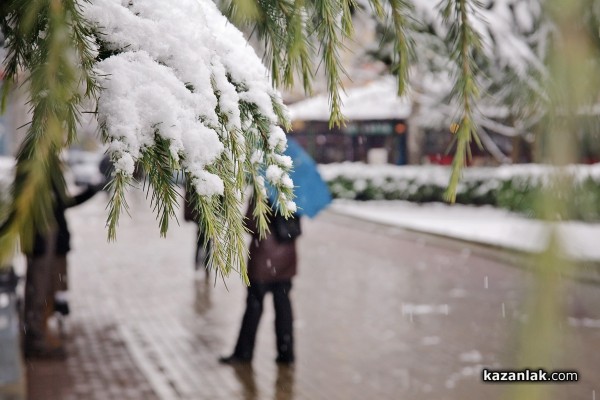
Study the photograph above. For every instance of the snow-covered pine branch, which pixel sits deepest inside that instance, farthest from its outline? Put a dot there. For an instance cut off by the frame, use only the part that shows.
(179, 91)
(183, 91)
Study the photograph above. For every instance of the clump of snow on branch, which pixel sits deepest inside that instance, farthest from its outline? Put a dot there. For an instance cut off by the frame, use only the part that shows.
(180, 72)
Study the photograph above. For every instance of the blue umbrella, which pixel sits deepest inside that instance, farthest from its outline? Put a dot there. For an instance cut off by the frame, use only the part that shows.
(312, 193)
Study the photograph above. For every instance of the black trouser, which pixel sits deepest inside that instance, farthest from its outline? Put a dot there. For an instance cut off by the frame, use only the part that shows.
(283, 320)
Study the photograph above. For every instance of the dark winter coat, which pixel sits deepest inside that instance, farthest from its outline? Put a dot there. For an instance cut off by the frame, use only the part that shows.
(269, 261)
(190, 214)
(63, 236)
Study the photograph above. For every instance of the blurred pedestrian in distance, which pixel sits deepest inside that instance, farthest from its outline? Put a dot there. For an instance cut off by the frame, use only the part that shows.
(107, 169)
(271, 267)
(47, 283)
(191, 215)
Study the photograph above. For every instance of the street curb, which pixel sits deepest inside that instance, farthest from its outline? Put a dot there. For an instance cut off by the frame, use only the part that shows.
(583, 271)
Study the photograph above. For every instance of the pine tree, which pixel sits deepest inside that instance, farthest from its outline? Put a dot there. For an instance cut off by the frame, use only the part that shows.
(177, 90)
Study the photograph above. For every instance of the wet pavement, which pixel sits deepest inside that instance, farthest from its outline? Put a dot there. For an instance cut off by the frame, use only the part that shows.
(380, 314)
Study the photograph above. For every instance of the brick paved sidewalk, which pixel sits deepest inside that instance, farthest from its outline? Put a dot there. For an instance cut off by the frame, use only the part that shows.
(379, 315)
(144, 325)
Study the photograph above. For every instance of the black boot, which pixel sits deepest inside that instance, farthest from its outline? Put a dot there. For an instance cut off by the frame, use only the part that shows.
(62, 307)
(234, 359)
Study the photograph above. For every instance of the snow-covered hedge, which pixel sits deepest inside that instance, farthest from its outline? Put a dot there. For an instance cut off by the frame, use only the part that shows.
(514, 187)
(6, 177)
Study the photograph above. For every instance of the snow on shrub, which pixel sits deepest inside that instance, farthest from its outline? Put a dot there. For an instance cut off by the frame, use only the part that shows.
(514, 187)
(7, 165)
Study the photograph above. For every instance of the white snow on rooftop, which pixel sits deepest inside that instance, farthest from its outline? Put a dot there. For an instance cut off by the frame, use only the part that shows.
(376, 100)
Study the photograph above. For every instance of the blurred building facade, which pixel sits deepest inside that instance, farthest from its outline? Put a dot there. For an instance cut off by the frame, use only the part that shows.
(375, 130)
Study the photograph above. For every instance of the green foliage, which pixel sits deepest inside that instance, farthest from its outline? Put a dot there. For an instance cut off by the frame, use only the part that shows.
(402, 43)
(49, 42)
(159, 164)
(465, 43)
(53, 46)
(43, 35)
(299, 35)
(289, 29)
(494, 50)
(48, 39)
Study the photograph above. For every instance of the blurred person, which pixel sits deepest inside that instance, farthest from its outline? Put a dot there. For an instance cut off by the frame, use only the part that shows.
(271, 267)
(46, 281)
(201, 253)
(107, 169)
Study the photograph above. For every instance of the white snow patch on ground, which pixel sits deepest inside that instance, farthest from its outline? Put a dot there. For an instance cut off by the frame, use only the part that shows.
(585, 322)
(423, 309)
(485, 225)
(472, 356)
(430, 340)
